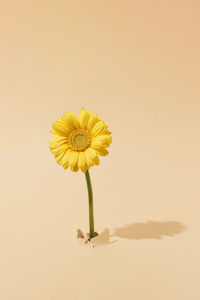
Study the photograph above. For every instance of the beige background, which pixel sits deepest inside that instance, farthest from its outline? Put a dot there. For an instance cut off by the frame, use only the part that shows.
(135, 63)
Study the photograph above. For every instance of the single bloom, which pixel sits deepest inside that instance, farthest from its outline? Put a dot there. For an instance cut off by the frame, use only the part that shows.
(78, 141)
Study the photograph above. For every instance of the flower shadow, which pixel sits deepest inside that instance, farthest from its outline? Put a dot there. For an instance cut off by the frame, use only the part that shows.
(149, 230)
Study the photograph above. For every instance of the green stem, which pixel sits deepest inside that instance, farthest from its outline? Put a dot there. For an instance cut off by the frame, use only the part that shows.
(90, 197)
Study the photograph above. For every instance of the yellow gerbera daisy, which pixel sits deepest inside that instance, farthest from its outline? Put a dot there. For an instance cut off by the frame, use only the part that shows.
(77, 142)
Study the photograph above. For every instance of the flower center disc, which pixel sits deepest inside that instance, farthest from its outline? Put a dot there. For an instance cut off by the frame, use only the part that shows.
(79, 140)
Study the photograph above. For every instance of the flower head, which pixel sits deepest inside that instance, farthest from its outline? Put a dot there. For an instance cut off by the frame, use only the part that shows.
(77, 142)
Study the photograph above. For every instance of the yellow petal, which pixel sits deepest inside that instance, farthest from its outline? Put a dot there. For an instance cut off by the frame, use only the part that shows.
(75, 120)
(101, 141)
(57, 144)
(82, 162)
(98, 128)
(57, 134)
(56, 141)
(60, 128)
(83, 118)
(91, 152)
(65, 158)
(67, 119)
(73, 161)
(90, 113)
(95, 144)
(59, 157)
(96, 161)
(101, 138)
(66, 166)
(105, 138)
(57, 138)
(89, 159)
(98, 119)
(91, 122)
(71, 120)
(59, 149)
(106, 131)
(102, 151)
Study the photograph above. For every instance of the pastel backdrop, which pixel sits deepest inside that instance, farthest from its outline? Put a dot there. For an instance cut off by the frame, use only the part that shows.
(136, 64)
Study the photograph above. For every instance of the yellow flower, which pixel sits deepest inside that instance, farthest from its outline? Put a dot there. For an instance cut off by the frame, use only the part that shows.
(77, 142)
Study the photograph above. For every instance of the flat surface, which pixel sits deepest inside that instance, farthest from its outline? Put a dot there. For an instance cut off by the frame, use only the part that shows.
(135, 63)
